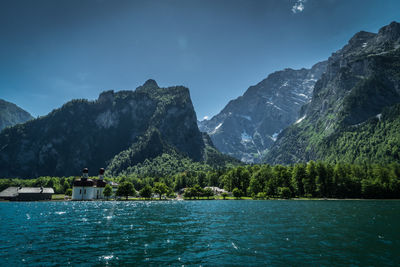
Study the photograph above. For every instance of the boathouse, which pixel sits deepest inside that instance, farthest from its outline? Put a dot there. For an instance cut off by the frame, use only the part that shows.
(88, 189)
(27, 193)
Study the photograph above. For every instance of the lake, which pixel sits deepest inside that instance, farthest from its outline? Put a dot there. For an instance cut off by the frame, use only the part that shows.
(208, 233)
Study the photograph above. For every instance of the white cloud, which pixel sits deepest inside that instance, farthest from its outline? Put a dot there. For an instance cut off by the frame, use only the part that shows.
(298, 6)
(205, 118)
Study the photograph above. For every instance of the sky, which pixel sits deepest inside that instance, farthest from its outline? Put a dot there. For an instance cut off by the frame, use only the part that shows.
(53, 51)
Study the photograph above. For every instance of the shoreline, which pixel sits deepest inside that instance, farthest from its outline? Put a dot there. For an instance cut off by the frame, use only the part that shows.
(241, 199)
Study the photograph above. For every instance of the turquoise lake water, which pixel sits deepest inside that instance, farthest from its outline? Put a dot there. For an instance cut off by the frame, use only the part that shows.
(207, 233)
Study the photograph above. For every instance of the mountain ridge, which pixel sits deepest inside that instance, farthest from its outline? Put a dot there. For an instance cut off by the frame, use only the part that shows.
(91, 134)
(11, 114)
(248, 125)
(362, 80)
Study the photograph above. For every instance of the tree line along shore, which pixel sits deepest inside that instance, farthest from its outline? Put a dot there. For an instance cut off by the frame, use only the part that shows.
(302, 180)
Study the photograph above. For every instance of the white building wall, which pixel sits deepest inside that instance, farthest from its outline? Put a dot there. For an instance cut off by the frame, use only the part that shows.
(87, 193)
(77, 192)
(101, 189)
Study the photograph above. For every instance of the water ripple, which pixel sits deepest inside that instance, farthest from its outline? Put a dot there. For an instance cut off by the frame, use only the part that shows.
(200, 233)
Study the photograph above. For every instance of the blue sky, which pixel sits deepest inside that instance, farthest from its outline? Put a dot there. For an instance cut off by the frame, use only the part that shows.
(52, 51)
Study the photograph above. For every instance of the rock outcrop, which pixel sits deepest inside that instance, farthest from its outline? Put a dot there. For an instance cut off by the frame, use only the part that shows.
(144, 123)
(11, 114)
(354, 106)
(249, 125)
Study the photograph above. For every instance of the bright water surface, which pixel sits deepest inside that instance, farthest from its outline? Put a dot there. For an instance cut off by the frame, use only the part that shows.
(229, 233)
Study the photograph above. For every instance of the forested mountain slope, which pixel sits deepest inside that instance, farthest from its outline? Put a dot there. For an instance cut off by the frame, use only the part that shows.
(119, 129)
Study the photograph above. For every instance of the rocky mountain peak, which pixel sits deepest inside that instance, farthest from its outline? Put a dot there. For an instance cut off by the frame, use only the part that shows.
(150, 83)
(91, 133)
(390, 32)
(11, 114)
(360, 38)
(249, 125)
(319, 68)
(106, 97)
(361, 82)
(362, 43)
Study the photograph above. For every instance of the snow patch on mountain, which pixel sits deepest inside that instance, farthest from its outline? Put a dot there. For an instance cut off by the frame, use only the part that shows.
(300, 120)
(272, 104)
(245, 117)
(275, 135)
(302, 95)
(216, 128)
(285, 84)
(265, 108)
(246, 137)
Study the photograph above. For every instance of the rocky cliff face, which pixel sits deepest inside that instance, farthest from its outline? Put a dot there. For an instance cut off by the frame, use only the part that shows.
(362, 81)
(11, 114)
(249, 125)
(90, 134)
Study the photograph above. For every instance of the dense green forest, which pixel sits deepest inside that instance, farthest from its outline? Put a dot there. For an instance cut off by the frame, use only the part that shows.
(151, 156)
(312, 179)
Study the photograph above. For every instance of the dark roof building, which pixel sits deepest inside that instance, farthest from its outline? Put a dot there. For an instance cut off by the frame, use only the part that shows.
(27, 193)
(88, 189)
(84, 181)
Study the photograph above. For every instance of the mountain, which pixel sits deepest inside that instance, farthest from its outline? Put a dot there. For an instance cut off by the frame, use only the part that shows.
(11, 114)
(248, 126)
(119, 129)
(354, 114)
